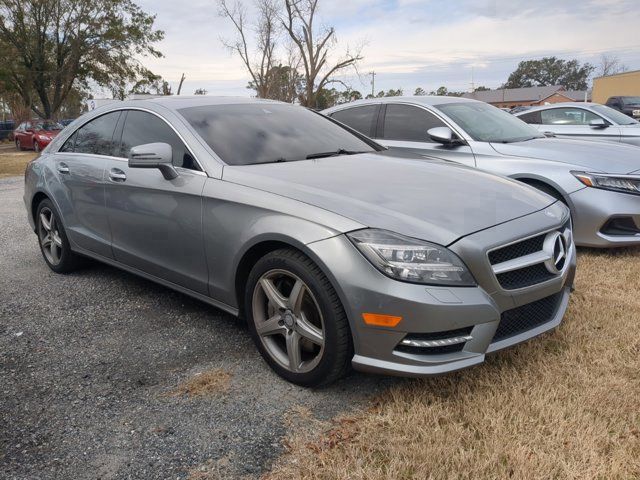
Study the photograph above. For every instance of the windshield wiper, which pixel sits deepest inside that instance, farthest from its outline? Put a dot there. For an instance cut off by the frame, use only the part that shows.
(276, 160)
(335, 153)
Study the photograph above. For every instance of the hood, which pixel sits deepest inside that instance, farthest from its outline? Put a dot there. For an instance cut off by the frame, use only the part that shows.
(606, 157)
(427, 199)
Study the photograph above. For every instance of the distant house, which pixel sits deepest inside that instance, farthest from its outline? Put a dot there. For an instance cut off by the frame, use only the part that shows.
(515, 97)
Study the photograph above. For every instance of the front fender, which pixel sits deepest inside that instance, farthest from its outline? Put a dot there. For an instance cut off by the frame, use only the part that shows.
(236, 218)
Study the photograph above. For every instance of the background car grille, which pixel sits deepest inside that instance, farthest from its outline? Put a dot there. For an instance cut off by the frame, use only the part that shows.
(527, 317)
(527, 275)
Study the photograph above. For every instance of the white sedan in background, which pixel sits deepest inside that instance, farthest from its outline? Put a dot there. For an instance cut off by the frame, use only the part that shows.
(587, 121)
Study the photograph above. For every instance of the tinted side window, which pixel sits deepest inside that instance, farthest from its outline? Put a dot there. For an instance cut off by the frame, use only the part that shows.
(567, 116)
(96, 137)
(359, 118)
(405, 122)
(69, 145)
(531, 117)
(142, 127)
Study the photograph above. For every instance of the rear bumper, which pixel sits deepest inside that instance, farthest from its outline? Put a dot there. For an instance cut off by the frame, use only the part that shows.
(427, 310)
(594, 208)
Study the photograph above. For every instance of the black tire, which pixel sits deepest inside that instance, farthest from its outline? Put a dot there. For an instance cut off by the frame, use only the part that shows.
(36, 146)
(68, 260)
(335, 358)
(19, 145)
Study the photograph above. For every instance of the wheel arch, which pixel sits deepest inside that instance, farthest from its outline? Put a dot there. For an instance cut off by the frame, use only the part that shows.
(263, 246)
(37, 198)
(546, 185)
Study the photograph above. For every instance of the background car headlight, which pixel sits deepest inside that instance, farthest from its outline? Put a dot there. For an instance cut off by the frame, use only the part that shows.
(411, 260)
(617, 183)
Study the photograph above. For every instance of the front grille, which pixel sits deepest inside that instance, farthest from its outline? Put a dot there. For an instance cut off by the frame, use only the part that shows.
(440, 349)
(527, 317)
(512, 275)
(516, 250)
(524, 277)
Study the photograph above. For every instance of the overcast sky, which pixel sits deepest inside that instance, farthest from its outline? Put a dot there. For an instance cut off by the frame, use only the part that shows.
(410, 43)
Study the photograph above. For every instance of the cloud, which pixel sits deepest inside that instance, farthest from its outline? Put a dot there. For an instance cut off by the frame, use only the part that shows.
(410, 43)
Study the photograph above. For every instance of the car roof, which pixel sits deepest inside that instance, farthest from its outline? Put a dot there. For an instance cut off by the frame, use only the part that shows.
(418, 100)
(556, 105)
(176, 102)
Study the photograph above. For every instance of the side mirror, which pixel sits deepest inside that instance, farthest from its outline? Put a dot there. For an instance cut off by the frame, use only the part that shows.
(598, 123)
(154, 155)
(443, 135)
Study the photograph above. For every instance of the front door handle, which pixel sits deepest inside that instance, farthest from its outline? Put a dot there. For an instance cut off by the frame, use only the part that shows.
(63, 168)
(117, 175)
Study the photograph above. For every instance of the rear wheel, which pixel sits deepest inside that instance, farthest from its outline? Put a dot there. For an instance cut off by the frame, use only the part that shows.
(53, 241)
(296, 319)
(19, 145)
(36, 146)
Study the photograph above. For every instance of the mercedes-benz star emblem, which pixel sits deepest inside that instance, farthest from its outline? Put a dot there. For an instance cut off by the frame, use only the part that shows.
(555, 245)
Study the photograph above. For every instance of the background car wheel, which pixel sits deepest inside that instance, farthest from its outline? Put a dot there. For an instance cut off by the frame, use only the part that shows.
(19, 145)
(296, 319)
(53, 241)
(36, 146)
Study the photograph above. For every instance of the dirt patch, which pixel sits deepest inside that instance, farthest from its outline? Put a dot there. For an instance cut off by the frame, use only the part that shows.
(212, 382)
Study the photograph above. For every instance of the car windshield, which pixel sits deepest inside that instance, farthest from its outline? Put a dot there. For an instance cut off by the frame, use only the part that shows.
(247, 134)
(613, 114)
(631, 100)
(486, 123)
(48, 126)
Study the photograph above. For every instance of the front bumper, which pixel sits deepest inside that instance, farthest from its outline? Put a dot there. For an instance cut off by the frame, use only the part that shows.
(426, 309)
(594, 208)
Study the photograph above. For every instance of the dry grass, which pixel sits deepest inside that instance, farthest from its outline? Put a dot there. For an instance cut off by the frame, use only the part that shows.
(563, 406)
(14, 163)
(212, 382)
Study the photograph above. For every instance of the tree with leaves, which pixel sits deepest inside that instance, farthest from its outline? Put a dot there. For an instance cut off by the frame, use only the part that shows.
(550, 71)
(313, 46)
(50, 47)
(284, 84)
(419, 92)
(200, 91)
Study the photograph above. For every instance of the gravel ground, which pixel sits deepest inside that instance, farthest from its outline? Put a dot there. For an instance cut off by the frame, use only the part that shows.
(87, 360)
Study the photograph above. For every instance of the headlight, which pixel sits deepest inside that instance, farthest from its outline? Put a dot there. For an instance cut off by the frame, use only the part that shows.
(617, 183)
(411, 260)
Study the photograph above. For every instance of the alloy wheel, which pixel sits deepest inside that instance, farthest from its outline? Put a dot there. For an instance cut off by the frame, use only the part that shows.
(288, 321)
(49, 236)
(36, 147)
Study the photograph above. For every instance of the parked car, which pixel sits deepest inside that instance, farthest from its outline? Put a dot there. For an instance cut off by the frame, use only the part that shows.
(519, 108)
(35, 135)
(628, 105)
(589, 121)
(6, 129)
(599, 181)
(334, 251)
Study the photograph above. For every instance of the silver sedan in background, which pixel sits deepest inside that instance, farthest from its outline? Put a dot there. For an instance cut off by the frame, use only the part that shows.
(335, 252)
(599, 181)
(588, 121)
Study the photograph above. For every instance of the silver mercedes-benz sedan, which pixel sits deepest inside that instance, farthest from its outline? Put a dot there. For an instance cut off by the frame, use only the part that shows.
(588, 121)
(335, 252)
(598, 181)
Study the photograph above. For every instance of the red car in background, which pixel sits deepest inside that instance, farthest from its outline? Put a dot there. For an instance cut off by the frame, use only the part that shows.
(35, 134)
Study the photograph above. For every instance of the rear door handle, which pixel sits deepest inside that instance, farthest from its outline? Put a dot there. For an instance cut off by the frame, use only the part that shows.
(63, 168)
(117, 175)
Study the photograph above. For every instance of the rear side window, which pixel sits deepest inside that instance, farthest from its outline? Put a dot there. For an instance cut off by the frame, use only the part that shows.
(361, 119)
(142, 127)
(96, 137)
(567, 116)
(532, 118)
(405, 122)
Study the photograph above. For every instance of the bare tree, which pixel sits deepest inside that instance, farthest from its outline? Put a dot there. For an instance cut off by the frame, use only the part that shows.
(314, 47)
(265, 31)
(609, 65)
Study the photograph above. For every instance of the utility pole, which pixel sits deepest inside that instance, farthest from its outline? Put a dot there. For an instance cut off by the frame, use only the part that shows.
(373, 83)
(180, 84)
(473, 86)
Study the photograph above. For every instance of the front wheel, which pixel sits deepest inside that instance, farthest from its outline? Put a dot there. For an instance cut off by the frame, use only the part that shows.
(296, 319)
(36, 146)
